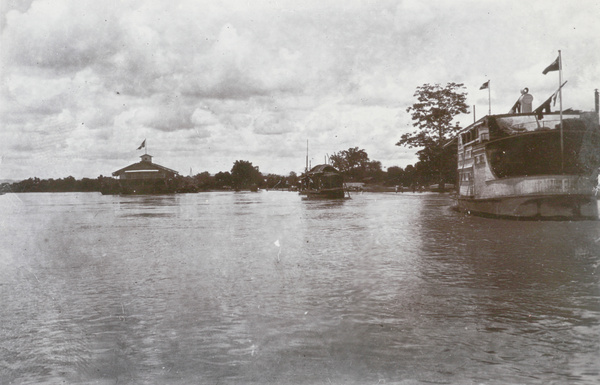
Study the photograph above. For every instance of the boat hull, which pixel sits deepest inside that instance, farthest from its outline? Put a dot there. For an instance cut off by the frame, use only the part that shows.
(553, 207)
(326, 194)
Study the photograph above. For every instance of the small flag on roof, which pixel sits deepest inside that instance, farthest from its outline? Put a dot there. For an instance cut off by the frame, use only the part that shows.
(142, 145)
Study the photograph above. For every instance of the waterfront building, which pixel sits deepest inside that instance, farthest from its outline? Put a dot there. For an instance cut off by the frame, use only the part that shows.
(145, 177)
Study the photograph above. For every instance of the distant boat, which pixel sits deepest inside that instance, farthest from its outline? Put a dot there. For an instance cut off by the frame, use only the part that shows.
(532, 165)
(436, 187)
(323, 181)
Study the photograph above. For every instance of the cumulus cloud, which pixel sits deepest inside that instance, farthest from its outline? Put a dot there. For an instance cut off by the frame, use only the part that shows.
(60, 35)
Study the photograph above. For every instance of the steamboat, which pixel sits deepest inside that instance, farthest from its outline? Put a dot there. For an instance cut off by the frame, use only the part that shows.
(323, 181)
(530, 164)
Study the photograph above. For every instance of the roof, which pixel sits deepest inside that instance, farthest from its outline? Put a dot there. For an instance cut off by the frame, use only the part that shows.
(144, 166)
(323, 168)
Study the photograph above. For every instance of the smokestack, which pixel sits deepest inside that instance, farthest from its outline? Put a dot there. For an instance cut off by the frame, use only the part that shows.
(597, 97)
(526, 100)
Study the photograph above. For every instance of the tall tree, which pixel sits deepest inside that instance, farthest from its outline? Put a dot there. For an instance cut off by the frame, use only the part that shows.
(339, 161)
(352, 162)
(203, 180)
(223, 179)
(395, 175)
(244, 175)
(432, 115)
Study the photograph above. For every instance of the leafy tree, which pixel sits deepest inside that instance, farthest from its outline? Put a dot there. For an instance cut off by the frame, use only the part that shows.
(412, 176)
(244, 175)
(373, 166)
(395, 175)
(204, 181)
(352, 162)
(437, 164)
(374, 171)
(223, 179)
(339, 161)
(432, 115)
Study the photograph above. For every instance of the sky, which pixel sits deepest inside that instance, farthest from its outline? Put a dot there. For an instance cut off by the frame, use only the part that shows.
(206, 83)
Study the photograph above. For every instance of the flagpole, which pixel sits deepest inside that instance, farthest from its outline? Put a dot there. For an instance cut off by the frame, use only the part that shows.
(562, 150)
(489, 98)
(306, 168)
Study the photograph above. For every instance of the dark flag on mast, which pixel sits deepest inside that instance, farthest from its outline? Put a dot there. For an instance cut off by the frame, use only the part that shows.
(142, 145)
(485, 86)
(555, 66)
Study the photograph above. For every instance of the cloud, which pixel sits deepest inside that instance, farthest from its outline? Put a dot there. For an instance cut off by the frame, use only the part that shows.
(59, 35)
(204, 117)
(238, 65)
(273, 123)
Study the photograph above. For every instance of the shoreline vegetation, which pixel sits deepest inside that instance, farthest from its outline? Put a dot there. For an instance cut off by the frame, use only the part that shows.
(244, 177)
(182, 185)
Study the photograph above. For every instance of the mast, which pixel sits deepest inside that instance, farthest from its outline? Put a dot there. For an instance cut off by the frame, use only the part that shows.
(306, 167)
(562, 146)
(489, 98)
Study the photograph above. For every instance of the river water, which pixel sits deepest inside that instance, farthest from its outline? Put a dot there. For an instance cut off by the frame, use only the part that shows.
(268, 288)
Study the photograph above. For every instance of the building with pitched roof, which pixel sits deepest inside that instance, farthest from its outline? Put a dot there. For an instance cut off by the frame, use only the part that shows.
(145, 177)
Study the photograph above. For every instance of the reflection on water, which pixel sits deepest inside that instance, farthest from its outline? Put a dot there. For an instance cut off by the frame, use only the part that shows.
(269, 288)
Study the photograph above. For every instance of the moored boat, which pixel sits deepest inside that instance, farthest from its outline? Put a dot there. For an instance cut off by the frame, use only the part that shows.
(446, 187)
(531, 165)
(323, 181)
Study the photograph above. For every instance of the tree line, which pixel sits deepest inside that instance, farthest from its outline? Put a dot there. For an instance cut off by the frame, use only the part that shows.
(354, 163)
